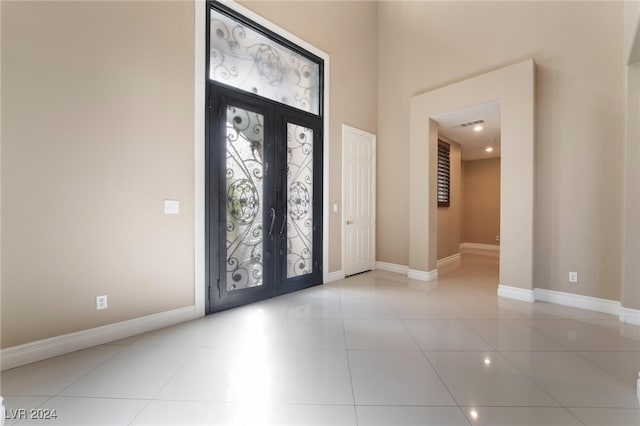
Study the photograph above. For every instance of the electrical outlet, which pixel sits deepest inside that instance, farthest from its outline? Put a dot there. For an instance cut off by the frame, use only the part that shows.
(573, 277)
(101, 302)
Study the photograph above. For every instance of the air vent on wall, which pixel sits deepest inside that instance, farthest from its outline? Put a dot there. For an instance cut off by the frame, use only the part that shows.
(470, 123)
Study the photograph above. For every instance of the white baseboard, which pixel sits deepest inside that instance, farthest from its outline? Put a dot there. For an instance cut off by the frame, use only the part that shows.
(516, 293)
(481, 249)
(453, 260)
(16, 356)
(612, 307)
(561, 298)
(423, 275)
(414, 274)
(334, 276)
(630, 316)
(393, 267)
(478, 246)
(578, 301)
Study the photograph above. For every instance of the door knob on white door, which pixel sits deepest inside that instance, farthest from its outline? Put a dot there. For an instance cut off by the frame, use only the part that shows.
(349, 222)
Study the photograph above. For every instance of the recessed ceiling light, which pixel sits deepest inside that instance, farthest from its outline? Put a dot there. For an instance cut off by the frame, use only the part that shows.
(477, 128)
(488, 149)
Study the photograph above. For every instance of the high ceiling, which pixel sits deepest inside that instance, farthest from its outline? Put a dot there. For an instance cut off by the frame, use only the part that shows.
(473, 143)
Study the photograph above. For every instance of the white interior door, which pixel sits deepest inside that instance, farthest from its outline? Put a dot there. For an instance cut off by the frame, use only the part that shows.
(359, 195)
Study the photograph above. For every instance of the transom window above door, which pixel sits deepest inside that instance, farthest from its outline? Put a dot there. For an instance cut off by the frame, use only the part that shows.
(264, 169)
(245, 58)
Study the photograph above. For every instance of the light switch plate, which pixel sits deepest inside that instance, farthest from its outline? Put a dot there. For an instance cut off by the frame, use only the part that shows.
(171, 206)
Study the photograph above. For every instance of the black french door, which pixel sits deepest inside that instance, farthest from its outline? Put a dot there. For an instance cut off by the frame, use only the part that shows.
(264, 198)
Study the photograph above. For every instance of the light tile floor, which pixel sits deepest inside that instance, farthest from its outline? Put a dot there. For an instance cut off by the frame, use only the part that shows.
(373, 349)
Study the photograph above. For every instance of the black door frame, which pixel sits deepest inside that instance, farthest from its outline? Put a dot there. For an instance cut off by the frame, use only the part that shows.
(277, 116)
(288, 285)
(218, 296)
(214, 240)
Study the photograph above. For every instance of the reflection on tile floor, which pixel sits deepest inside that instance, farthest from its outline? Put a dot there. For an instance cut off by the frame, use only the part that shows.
(373, 349)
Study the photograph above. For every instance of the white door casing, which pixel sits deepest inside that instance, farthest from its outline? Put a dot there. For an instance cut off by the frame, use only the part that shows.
(358, 200)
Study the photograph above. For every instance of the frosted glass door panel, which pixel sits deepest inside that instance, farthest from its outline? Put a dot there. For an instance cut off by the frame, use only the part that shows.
(299, 200)
(244, 186)
(247, 60)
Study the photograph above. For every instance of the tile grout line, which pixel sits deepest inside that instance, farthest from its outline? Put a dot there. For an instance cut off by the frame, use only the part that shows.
(140, 412)
(445, 385)
(431, 365)
(122, 348)
(577, 352)
(526, 323)
(346, 348)
(177, 370)
(530, 378)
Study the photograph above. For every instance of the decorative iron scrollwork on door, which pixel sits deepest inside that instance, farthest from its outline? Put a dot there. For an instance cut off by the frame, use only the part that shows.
(299, 200)
(244, 183)
(245, 59)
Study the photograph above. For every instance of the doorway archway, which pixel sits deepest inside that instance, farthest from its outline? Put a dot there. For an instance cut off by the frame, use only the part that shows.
(514, 87)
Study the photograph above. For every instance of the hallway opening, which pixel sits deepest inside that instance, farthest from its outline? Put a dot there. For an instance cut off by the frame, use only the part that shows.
(470, 221)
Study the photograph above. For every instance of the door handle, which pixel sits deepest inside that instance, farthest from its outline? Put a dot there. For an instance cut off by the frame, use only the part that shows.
(284, 221)
(349, 222)
(272, 212)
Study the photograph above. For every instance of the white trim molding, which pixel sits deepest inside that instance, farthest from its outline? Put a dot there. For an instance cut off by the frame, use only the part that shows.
(404, 270)
(411, 273)
(16, 356)
(578, 301)
(630, 316)
(199, 156)
(510, 292)
(334, 276)
(612, 307)
(453, 261)
(414, 274)
(392, 267)
(481, 249)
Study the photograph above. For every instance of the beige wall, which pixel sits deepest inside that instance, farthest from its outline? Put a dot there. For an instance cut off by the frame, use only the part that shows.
(481, 200)
(97, 131)
(347, 31)
(631, 222)
(579, 128)
(631, 243)
(449, 218)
